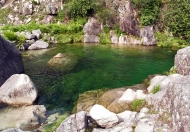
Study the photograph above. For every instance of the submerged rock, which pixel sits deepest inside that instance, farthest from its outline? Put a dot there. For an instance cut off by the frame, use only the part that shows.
(64, 62)
(25, 117)
(10, 60)
(18, 90)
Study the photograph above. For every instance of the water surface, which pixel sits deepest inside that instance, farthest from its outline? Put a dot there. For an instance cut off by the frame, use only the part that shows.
(99, 66)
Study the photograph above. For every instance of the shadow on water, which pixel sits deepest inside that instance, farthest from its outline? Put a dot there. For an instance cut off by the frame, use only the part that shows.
(98, 66)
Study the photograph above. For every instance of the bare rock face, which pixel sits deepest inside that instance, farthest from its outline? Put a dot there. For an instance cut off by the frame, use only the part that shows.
(12, 130)
(27, 8)
(10, 60)
(147, 35)
(74, 123)
(182, 61)
(18, 90)
(52, 8)
(91, 30)
(127, 20)
(174, 100)
(25, 118)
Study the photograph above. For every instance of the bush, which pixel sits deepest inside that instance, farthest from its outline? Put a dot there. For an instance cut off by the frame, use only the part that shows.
(148, 10)
(138, 104)
(10, 35)
(177, 18)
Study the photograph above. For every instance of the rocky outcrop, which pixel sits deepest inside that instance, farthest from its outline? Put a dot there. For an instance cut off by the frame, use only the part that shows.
(127, 39)
(12, 130)
(182, 61)
(91, 30)
(103, 117)
(25, 117)
(63, 62)
(10, 60)
(39, 44)
(52, 8)
(74, 123)
(2, 2)
(127, 19)
(27, 8)
(147, 35)
(172, 101)
(18, 90)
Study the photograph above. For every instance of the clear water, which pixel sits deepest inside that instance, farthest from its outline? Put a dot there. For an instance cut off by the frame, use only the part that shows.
(99, 66)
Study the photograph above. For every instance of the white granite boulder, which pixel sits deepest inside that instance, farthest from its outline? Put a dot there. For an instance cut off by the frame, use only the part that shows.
(103, 117)
(39, 44)
(18, 90)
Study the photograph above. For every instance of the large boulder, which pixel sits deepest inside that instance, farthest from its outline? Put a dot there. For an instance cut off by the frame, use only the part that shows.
(25, 117)
(182, 61)
(63, 62)
(74, 123)
(18, 90)
(103, 117)
(173, 101)
(10, 60)
(27, 8)
(39, 44)
(52, 8)
(91, 30)
(147, 35)
(127, 19)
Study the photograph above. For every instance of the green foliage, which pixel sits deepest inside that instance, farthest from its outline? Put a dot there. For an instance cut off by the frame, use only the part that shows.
(155, 89)
(10, 35)
(148, 10)
(4, 14)
(171, 71)
(138, 104)
(104, 38)
(177, 18)
(117, 30)
(167, 40)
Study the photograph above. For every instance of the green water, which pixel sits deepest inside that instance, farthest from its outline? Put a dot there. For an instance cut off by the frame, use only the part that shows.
(99, 66)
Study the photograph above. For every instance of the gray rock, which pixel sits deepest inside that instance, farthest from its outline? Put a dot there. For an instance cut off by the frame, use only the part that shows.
(30, 36)
(145, 127)
(48, 19)
(10, 60)
(92, 27)
(12, 130)
(27, 8)
(2, 2)
(37, 33)
(113, 37)
(174, 101)
(182, 61)
(25, 117)
(18, 90)
(39, 44)
(127, 20)
(147, 35)
(103, 117)
(91, 39)
(52, 9)
(74, 123)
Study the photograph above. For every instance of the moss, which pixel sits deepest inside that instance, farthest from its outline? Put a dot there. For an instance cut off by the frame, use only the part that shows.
(138, 104)
(155, 89)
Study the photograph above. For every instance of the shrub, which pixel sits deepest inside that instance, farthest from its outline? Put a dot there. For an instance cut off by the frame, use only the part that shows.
(148, 10)
(10, 35)
(156, 89)
(138, 104)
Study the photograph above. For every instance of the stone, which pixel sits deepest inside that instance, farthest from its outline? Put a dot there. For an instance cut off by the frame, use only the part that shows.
(128, 96)
(29, 36)
(18, 90)
(63, 62)
(103, 117)
(174, 101)
(91, 30)
(39, 44)
(52, 8)
(113, 37)
(10, 60)
(37, 33)
(24, 118)
(182, 61)
(140, 94)
(48, 19)
(127, 115)
(147, 35)
(145, 127)
(91, 39)
(127, 19)
(128, 39)
(74, 123)
(27, 8)
(12, 130)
